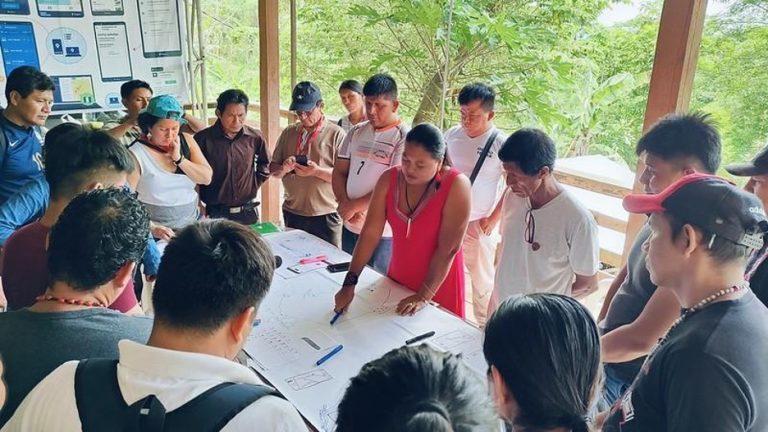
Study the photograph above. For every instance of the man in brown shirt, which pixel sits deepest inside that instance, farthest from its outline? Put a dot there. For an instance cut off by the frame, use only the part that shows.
(238, 155)
(303, 159)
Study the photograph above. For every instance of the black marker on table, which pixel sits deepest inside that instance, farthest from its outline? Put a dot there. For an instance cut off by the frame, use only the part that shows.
(420, 338)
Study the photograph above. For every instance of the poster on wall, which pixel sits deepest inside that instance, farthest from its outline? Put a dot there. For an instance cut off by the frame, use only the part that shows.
(91, 47)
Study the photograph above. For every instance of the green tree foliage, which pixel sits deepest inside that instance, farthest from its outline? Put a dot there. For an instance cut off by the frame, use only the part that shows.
(554, 65)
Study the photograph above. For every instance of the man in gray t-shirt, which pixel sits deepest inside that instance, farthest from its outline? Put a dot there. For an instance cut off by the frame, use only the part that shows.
(635, 313)
(629, 301)
(92, 254)
(33, 344)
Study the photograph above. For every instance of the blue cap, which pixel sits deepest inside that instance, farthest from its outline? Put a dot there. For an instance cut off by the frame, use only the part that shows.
(166, 107)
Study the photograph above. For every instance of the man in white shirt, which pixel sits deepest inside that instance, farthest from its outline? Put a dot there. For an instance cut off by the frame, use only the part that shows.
(369, 149)
(466, 143)
(213, 276)
(548, 240)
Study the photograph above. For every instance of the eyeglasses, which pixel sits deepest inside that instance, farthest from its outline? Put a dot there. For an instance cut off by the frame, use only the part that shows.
(530, 230)
(471, 117)
(302, 114)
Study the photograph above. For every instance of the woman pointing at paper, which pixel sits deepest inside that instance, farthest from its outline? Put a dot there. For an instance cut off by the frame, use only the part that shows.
(427, 204)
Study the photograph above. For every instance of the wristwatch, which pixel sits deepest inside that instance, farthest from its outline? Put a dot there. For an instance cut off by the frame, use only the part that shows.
(179, 160)
(351, 279)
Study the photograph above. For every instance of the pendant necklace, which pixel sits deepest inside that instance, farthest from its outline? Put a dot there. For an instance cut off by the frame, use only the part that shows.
(411, 210)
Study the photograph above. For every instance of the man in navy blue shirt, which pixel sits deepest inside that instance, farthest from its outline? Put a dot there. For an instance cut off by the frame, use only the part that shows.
(29, 94)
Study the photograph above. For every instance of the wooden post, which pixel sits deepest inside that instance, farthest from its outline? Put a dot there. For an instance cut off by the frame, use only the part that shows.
(269, 98)
(294, 43)
(674, 66)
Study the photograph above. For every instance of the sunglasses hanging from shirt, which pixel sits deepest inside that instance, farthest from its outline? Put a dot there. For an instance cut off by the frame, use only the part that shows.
(530, 230)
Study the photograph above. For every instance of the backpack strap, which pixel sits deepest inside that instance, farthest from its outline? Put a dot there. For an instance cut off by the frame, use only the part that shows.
(215, 407)
(483, 155)
(101, 407)
(100, 403)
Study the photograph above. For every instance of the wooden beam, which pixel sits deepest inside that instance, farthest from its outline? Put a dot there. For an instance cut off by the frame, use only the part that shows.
(674, 66)
(592, 185)
(269, 98)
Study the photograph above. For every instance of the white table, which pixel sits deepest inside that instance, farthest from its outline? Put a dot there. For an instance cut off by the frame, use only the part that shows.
(295, 328)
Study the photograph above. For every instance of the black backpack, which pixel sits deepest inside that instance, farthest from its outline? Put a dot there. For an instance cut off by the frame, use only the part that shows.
(101, 406)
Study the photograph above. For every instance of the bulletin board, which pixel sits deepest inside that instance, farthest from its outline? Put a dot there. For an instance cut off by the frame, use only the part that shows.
(90, 47)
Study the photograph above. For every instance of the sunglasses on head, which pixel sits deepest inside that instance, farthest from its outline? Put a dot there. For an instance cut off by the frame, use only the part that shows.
(173, 115)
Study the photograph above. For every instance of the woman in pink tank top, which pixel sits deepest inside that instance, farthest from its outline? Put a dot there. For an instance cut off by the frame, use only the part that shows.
(427, 205)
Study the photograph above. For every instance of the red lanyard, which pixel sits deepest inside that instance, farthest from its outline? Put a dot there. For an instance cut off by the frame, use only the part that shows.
(756, 263)
(146, 142)
(312, 137)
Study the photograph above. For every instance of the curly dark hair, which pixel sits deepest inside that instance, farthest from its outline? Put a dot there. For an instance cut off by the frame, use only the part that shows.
(97, 233)
(211, 271)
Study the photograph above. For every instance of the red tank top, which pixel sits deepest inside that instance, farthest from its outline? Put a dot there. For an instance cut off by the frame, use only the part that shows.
(412, 249)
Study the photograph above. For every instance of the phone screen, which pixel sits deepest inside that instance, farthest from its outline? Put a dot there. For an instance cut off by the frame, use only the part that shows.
(14, 7)
(160, 28)
(18, 45)
(113, 52)
(107, 7)
(60, 8)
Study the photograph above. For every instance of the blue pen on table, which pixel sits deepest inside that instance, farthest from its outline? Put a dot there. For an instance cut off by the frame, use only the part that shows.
(420, 338)
(335, 317)
(326, 357)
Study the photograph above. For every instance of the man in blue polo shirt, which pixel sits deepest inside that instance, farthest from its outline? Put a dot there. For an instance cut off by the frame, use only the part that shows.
(29, 94)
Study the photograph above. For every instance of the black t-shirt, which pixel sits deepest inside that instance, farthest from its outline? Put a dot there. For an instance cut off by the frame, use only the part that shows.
(711, 375)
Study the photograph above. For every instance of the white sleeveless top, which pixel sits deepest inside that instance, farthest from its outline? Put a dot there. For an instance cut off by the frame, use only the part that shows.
(159, 187)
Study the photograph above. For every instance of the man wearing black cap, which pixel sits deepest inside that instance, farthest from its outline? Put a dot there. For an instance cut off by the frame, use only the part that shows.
(708, 373)
(757, 266)
(303, 159)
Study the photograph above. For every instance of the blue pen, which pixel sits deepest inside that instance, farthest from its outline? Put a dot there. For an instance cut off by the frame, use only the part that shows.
(335, 317)
(329, 355)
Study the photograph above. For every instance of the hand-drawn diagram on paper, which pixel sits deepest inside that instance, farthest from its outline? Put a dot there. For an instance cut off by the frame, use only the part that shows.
(308, 379)
(295, 329)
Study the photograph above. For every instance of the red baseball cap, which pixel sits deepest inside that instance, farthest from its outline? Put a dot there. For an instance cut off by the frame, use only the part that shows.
(710, 203)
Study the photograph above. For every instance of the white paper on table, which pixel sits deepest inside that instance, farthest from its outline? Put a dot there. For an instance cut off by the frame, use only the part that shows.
(302, 307)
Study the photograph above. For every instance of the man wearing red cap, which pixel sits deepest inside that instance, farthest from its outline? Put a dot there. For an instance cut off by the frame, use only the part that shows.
(708, 373)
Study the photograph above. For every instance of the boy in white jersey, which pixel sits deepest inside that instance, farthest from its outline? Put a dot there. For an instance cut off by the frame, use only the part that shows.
(466, 144)
(369, 149)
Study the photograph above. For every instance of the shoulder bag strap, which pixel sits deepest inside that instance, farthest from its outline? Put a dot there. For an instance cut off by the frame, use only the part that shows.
(483, 155)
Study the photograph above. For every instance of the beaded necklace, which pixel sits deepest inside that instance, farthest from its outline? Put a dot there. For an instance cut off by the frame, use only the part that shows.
(743, 285)
(86, 303)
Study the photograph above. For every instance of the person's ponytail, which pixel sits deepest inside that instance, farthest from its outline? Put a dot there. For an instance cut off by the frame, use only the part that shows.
(428, 416)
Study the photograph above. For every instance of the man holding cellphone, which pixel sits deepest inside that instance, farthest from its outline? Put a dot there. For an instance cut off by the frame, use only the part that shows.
(303, 159)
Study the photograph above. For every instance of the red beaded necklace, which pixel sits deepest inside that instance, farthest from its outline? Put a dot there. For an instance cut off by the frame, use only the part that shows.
(86, 303)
